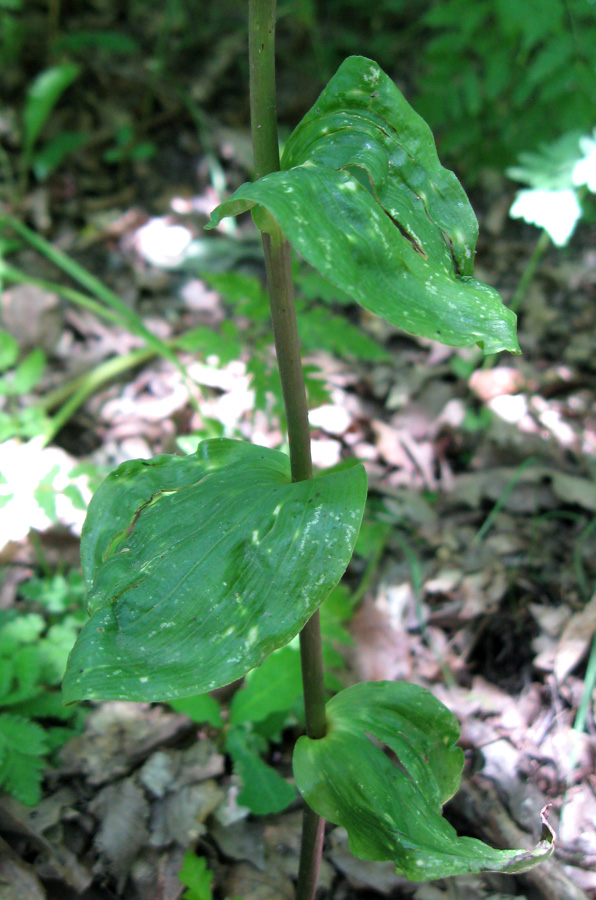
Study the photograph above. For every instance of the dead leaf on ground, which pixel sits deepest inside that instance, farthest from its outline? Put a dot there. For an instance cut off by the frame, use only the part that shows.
(575, 641)
(123, 813)
(243, 880)
(119, 735)
(18, 880)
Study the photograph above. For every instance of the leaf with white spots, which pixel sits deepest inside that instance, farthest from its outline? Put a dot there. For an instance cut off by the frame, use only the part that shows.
(198, 567)
(390, 804)
(363, 198)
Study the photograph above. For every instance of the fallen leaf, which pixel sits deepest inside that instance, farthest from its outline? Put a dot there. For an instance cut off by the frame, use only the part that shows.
(576, 639)
(123, 813)
(247, 882)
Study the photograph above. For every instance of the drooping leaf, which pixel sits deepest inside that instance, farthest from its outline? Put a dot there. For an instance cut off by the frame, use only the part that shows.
(392, 809)
(363, 198)
(42, 96)
(264, 791)
(199, 567)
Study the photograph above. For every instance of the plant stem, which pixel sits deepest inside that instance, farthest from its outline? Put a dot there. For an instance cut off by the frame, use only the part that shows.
(542, 245)
(261, 43)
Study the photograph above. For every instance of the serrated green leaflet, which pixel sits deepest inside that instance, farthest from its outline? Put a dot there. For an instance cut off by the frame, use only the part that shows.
(392, 810)
(264, 791)
(363, 198)
(199, 567)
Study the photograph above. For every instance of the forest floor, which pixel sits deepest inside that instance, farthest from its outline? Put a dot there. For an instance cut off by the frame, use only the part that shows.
(478, 583)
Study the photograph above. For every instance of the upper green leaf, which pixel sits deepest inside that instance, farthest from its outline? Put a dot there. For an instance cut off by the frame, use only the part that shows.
(392, 809)
(199, 567)
(362, 196)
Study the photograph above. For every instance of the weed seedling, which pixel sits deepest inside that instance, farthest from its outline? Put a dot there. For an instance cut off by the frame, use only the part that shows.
(199, 567)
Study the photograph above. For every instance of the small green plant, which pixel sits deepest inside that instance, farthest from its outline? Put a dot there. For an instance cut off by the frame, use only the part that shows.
(19, 377)
(42, 96)
(199, 567)
(33, 653)
(196, 877)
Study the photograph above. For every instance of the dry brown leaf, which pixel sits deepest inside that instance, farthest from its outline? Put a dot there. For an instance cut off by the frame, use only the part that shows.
(180, 816)
(576, 639)
(18, 881)
(123, 813)
(119, 735)
(247, 882)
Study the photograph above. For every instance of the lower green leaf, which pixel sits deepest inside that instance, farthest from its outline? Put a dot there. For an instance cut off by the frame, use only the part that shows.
(390, 805)
(199, 567)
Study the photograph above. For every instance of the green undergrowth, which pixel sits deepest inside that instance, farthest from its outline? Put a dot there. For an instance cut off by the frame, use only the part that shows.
(35, 640)
(325, 325)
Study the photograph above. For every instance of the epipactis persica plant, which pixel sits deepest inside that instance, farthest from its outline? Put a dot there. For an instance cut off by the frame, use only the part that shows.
(198, 567)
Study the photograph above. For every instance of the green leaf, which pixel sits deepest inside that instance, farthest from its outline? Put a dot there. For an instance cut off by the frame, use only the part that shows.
(363, 198)
(264, 791)
(56, 150)
(9, 350)
(199, 567)
(28, 372)
(392, 809)
(22, 747)
(195, 875)
(321, 330)
(110, 41)
(42, 96)
(273, 687)
(200, 708)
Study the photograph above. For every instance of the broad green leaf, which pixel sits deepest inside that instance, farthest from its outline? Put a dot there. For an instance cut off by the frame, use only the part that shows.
(392, 809)
(363, 198)
(273, 687)
(264, 791)
(42, 96)
(199, 567)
